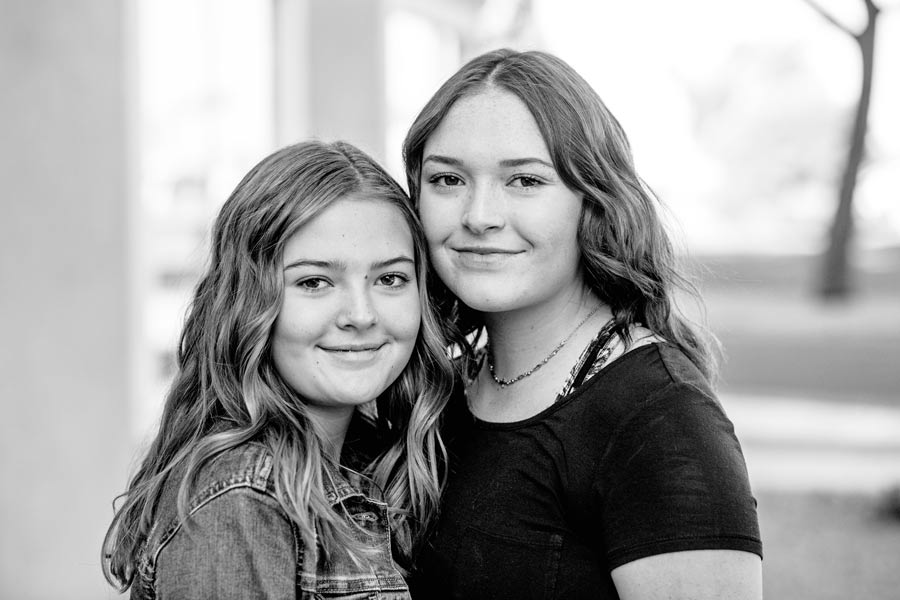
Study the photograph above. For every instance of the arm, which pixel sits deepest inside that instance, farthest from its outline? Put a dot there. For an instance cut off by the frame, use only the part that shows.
(693, 574)
(237, 545)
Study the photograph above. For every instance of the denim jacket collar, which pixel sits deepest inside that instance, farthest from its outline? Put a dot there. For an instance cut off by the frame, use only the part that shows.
(337, 488)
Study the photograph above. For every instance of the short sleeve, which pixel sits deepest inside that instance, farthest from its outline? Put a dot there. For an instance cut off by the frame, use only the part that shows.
(237, 545)
(673, 478)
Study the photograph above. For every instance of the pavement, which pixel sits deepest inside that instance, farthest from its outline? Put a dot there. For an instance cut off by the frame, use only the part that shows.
(803, 445)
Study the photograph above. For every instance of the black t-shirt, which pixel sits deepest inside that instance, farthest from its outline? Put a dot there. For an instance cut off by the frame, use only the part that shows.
(638, 461)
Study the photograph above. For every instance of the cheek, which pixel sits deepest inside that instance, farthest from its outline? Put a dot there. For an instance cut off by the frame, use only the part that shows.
(411, 318)
(558, 231)
(402, 318)
(297, 327)
(438, 219)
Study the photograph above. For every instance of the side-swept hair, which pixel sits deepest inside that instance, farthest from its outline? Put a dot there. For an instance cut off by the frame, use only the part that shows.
(227, 390)
(627, 257)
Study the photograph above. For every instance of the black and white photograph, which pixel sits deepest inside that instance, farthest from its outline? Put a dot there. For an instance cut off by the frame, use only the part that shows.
(450, 299)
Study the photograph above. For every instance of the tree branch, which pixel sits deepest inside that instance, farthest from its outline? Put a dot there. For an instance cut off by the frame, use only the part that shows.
(828, 17)
(872, 9)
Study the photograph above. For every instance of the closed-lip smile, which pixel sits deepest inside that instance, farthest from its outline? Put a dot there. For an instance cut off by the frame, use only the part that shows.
(352, 347)
(485, 250)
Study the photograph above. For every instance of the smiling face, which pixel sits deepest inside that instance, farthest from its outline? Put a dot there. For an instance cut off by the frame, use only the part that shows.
(350, 315)
(502, 227)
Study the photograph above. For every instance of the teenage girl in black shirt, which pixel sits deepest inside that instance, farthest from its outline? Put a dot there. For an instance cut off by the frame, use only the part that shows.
(589, 455)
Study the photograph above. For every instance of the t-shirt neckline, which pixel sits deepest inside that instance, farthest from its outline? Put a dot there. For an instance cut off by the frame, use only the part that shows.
(577, 393)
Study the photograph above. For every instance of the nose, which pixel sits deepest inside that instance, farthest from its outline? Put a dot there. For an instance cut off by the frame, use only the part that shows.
(483, 211)
(357, 310)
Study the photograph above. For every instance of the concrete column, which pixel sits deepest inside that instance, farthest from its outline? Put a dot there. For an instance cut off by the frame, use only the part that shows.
(64, 311)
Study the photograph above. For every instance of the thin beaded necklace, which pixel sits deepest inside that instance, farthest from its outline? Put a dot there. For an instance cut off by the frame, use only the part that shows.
(507, 382)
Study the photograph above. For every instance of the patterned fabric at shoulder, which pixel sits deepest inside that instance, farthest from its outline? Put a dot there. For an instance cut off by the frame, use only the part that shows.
(594, 358)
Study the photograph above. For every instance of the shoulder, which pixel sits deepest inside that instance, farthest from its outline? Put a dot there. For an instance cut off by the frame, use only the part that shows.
(661, 363)
(648, 402)
(672, 475)
(667, 422)
(233, 520)
(230, 482)
(246, 466)
(238, 544)
(658, 387)
(648, 374)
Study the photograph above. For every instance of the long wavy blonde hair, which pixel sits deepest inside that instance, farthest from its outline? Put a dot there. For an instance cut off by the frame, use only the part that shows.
(227, 391)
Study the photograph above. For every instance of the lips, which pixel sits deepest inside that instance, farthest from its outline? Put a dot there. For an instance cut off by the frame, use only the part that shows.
(484, 250)
(354, 356)
(483, 258)
(351, 348)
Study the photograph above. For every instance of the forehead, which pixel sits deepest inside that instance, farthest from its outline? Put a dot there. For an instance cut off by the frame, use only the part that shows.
(491, 125)
(354, 227)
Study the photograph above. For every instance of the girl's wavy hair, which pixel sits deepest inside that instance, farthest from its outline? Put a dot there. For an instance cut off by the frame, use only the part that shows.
(227, 391)
(627, 257)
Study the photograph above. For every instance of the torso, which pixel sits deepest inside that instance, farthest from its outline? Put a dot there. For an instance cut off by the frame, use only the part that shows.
(547, 506)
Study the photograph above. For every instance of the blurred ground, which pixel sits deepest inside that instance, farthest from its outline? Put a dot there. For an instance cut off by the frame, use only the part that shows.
(828, 547)
(814, 391)
(779, 338)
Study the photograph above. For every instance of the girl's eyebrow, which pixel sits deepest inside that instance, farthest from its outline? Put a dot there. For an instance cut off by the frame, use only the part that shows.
(508, 162)
(446, 160)
(339, 265)
(394, 261)
(322, 264)
(521, 162)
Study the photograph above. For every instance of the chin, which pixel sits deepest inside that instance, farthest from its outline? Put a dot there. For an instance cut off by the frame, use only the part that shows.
(489, 303)
(487, 293)
(355, 397)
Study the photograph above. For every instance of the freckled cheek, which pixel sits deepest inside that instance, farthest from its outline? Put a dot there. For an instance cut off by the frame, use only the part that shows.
(300, 325)
(402, 319)
(553, 232)
(438, 220)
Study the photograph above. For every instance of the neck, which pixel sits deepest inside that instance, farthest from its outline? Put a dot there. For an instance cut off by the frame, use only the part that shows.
(332, 423)
(521, 338)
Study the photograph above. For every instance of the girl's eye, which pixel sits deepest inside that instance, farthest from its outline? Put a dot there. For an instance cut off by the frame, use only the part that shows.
(313, 284)
(446, 180)
(526, 181)
(393, 280)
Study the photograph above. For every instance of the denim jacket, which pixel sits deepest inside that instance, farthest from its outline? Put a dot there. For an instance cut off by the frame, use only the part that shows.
(239, 543)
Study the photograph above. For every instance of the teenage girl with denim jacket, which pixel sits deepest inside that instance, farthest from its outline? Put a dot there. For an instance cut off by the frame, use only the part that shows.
(298, 454)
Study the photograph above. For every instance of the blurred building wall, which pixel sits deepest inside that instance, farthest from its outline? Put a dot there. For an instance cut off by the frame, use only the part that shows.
(346, 87)
(64, 317)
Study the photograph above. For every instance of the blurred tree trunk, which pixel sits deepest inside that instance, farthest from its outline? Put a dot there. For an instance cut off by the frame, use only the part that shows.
(835, 280)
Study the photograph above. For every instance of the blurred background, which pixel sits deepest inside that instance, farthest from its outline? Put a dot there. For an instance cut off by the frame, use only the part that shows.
(765, 127)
